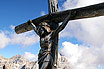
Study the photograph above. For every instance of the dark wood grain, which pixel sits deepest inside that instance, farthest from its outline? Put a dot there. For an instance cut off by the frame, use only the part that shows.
(57, 17)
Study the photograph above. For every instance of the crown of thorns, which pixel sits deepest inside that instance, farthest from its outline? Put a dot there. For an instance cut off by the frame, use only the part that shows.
(44, 24)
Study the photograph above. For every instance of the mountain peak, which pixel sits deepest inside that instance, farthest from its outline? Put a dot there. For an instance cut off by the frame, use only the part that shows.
(19, 62)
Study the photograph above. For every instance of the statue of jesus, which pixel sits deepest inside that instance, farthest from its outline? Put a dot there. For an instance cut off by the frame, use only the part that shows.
(47, 35)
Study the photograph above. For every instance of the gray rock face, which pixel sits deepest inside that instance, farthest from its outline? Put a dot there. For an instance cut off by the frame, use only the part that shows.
(19, 62)
(63, 62)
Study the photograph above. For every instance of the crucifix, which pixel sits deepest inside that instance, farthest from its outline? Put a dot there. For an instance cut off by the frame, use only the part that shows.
(47, 28)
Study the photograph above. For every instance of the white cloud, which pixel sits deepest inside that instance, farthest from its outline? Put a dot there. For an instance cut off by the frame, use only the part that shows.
(43, 13)
(10, 37)
(30, 56)
(69, 4)
(82, 57)
(4, 40)
(90, 32)
(25, 39)
(12, 27)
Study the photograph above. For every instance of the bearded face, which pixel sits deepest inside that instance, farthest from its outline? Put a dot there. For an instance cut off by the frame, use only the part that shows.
(43, 29)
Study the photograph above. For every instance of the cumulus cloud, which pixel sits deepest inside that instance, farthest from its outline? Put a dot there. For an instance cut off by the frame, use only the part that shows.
(10, 37)
(4, 40)
(82, 57)
(70, 4)
(90, 32)
(25, 39)
(30, 56)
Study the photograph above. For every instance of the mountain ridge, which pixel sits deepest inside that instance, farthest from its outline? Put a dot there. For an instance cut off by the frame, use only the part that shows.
(20, 62)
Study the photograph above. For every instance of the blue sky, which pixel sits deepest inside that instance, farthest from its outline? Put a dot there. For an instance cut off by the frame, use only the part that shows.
(80, 41)
(15, 12)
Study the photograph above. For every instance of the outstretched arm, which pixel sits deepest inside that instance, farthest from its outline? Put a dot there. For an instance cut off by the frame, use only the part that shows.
(61, 27)
(33, 26)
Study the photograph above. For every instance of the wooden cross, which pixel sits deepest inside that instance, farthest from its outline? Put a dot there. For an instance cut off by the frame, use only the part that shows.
(47, 27)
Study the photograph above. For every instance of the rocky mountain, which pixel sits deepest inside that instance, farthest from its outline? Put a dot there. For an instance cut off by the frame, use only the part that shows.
(19, 62)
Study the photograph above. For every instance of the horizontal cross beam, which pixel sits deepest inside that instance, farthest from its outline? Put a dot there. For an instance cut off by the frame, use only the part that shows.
(78, 13)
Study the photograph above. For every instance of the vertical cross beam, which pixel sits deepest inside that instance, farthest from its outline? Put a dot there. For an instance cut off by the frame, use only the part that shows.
(53, 7)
